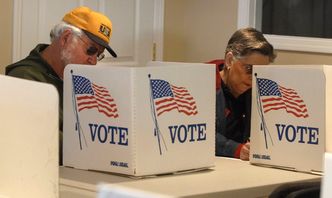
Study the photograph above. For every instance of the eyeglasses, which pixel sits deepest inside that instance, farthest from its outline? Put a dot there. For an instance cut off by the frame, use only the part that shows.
(92, 50)
(247, 67)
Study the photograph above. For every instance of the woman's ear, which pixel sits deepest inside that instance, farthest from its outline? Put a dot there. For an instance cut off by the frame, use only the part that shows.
(229, 58)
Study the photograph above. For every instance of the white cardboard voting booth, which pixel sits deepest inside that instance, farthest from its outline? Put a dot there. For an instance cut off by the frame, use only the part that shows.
(113, 190)
(326, 190)
(291, 116)
(29, 139)
(139, 120)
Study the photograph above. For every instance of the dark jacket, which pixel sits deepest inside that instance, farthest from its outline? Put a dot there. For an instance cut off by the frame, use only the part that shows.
(232, 121)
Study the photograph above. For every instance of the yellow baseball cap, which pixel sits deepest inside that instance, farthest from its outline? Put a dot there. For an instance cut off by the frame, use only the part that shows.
(95, 25)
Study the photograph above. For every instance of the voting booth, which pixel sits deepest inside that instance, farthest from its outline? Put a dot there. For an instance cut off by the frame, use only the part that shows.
(29, 139)
(138, 121)
(326, 190)
(113, 190)
(291, 116)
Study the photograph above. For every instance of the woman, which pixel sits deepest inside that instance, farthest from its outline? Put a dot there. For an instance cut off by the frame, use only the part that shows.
(246, 47)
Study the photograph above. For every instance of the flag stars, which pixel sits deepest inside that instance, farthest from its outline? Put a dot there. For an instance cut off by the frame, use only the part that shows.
(268, 88)
(161, 89)
(82, 85)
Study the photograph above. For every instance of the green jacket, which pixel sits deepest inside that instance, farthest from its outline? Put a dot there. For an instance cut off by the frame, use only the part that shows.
(34, 67)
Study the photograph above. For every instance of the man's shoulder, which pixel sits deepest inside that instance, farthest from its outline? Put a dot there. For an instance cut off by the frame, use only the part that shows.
(26, 71)
(32, 63)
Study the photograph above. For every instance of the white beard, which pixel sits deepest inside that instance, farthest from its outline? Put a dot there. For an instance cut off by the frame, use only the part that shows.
(66, 54)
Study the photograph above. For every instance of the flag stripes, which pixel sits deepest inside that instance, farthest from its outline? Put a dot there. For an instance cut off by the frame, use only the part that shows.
(90, 95)
(275, 97)
(168, 97)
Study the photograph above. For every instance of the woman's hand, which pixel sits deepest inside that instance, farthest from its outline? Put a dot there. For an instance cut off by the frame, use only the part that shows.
(244, 153)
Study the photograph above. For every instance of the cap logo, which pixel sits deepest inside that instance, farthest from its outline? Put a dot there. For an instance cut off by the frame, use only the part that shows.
(105, 30)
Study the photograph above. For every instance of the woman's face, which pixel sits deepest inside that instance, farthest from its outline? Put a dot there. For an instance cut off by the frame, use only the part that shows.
(239, 77)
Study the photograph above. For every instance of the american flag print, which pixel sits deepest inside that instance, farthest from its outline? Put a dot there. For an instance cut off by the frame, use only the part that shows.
(274, 97)
(168, 97)
(90, 95)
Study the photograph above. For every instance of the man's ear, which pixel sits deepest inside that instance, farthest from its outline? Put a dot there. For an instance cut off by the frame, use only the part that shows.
(229, 58)
(65, 37)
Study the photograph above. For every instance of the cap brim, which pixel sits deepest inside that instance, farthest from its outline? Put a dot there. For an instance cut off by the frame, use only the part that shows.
(100, 42)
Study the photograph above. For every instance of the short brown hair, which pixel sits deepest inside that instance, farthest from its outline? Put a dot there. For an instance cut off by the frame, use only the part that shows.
(247, 40)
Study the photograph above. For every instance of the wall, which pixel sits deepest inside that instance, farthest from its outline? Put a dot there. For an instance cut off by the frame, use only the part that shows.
(296, 58)
(198, 30)
(195, 31)
(6, 21)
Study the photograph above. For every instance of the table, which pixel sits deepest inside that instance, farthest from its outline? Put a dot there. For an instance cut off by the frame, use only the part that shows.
(229, 178)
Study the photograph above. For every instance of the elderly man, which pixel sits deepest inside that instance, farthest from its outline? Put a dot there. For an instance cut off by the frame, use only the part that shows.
(80, 38)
